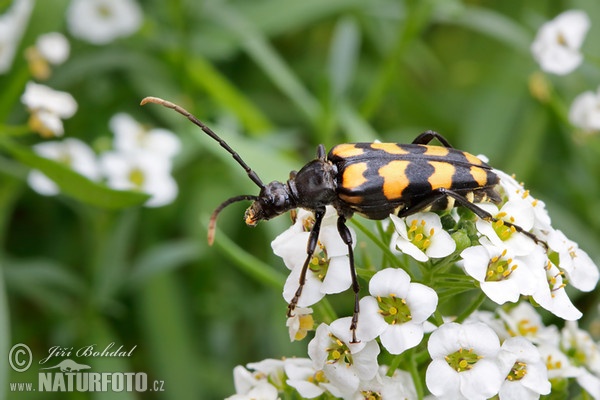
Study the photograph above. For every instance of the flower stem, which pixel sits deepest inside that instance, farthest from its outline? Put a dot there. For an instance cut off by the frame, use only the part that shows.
(472, 308)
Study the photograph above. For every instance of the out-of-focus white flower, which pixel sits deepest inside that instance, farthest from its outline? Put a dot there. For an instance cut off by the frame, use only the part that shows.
(396, 309)
(585, 111)
(72, 152)
(12, 25)
(523, 320)
(526, 376)
(50, 48)
(421, 236)
(48, 107)
(583, 351)
(130, 135)
(345, 364)
(141, 171)
(556, 46)
(398, 386)
(300, 323)
(464, 362)
(328, 271)
(102, 21)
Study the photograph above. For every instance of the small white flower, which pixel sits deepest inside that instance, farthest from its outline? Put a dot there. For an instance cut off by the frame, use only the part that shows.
(54, 47)
(557, 362)
(522, 365)
(328, 271)
(580, 345)
(12, 25)
(130, 135)
(464, 362)
(299, 324)
(577, 265)
(504, 236)
(515, 192)
(396, 309)
(556, 46)
(503, 277)
(345, 364)
(552, 295)
(399, 386)
(421, 236)
(143, 172)
(102, 21)
(585, 111)
(523, 320)
(308, 381)
(71, 152)
(48, 107)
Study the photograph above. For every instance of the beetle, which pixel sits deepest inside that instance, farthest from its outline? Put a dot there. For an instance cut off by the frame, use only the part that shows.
(373, 180)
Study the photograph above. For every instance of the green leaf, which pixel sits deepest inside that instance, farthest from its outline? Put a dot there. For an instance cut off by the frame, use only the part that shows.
(74, 185)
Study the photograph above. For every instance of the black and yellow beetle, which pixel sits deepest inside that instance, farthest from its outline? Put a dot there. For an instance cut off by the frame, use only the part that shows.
(371, 179)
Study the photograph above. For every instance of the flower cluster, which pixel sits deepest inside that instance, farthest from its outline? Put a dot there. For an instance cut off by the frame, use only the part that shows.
(557, 49)
(141, 160)
(515, 257)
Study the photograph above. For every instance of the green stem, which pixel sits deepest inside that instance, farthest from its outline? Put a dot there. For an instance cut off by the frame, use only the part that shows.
(472, 308)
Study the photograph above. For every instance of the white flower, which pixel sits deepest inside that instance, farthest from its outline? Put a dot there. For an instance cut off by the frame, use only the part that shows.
(399, 386)
(515, 193)
(71, 152)
(54, 47)
(396, 309)
(12, 25)
(523, 320)
(577, 265)
(133, 136)
(421, 236)
(47, 107)
(580, 346)
(557, 362)
(522, 365)
(300, 323)
(329, 269)
(143, 172)
(503, 277)
(102, 21)
(50, 48)
(308, 381)
(585, 111)
(504, 236)
(552, 295)
(556, 46)
(345, 364)
(464, 362)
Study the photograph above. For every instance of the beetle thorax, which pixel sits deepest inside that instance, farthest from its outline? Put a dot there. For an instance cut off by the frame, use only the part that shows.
(314, 186)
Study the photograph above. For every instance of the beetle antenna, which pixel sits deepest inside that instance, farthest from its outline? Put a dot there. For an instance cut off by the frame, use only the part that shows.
(251, 174)
(212, 224)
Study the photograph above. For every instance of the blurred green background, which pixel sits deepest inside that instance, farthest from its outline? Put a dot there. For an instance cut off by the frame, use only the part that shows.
(275, 78)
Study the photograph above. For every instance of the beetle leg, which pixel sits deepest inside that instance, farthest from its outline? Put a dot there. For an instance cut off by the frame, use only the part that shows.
(321, 154)
(313, 238)
(440, 193)
(428, 136)
(347, 238)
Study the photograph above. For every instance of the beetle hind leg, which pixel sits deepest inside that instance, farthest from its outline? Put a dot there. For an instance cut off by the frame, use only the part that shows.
(428, 136)
(347, 238)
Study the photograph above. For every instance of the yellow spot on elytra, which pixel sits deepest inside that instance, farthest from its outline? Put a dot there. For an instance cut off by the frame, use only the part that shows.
(394, 178)
(479, 175)
(353, 175)
(346, 150)
(391, 148)
(442, 174)
(438, 151)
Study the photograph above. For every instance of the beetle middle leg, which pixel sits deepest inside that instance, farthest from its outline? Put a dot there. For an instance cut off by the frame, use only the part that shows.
(440, 193)
(347, 238)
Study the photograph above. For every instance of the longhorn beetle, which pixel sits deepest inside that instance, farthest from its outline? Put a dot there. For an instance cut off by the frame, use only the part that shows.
(371, 179)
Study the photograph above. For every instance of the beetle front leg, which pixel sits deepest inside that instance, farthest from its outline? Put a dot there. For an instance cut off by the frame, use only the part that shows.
(313, 239)
(347, 238)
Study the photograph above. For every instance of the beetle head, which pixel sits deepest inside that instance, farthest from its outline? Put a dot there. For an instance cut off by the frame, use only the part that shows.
(274, 199)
